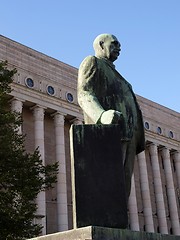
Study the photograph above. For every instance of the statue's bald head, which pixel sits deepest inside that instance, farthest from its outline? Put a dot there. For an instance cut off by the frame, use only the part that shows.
(102, 44)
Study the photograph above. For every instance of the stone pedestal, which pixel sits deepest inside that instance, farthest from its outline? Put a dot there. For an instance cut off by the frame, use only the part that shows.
(98, 185)
(100, 233)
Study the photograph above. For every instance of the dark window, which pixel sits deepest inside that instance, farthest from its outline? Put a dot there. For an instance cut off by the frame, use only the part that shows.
(171, 135)
(69, 97)
(50, 90)
(159, 130)
(29, 82)
(146, 124)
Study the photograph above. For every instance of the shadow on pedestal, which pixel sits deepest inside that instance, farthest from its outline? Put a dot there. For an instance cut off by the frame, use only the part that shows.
(98, 185)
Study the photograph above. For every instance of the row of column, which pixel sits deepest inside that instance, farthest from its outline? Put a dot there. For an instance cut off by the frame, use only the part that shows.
(62, 211)
(158, 191)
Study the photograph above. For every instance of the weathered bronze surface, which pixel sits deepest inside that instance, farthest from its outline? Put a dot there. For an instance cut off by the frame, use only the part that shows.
(107, 98)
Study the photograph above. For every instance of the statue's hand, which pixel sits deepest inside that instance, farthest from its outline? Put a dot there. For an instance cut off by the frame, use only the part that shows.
(111, 117)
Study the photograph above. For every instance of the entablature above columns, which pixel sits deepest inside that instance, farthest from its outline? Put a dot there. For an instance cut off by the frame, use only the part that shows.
(53, 91)
(51, 105)
(162, 141)
(160, 146)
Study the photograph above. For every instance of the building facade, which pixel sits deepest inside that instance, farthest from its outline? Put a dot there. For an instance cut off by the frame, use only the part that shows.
(44, 91)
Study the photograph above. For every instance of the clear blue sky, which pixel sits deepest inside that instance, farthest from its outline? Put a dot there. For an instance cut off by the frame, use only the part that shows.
(149, 32)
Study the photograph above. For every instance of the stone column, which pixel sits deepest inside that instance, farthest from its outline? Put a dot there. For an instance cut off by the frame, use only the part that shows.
(16, 106)
(177, 166)
(38, 112)
(147, 208)
(160, 205)
(132, 205)
(61, 183)
(76, 121)
(171, 192)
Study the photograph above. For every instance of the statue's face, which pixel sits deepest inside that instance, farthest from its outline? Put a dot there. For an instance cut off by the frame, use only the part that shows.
(111, 48)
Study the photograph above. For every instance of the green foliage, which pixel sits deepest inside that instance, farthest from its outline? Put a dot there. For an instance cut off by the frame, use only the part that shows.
(22, 175)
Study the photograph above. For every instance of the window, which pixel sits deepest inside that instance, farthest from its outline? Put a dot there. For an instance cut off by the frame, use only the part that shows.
(29, 82)
(50, 90)
(171, 135)
(146, 125)
(159, 130)
(69, 97)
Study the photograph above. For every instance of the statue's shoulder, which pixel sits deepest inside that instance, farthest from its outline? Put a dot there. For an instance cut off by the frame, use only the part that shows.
(89, 62)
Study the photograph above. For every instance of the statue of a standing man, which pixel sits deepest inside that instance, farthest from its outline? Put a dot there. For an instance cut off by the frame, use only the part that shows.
(107, 98)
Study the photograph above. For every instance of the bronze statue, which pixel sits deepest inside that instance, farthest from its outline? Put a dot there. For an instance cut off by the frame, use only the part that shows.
(107, 98)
